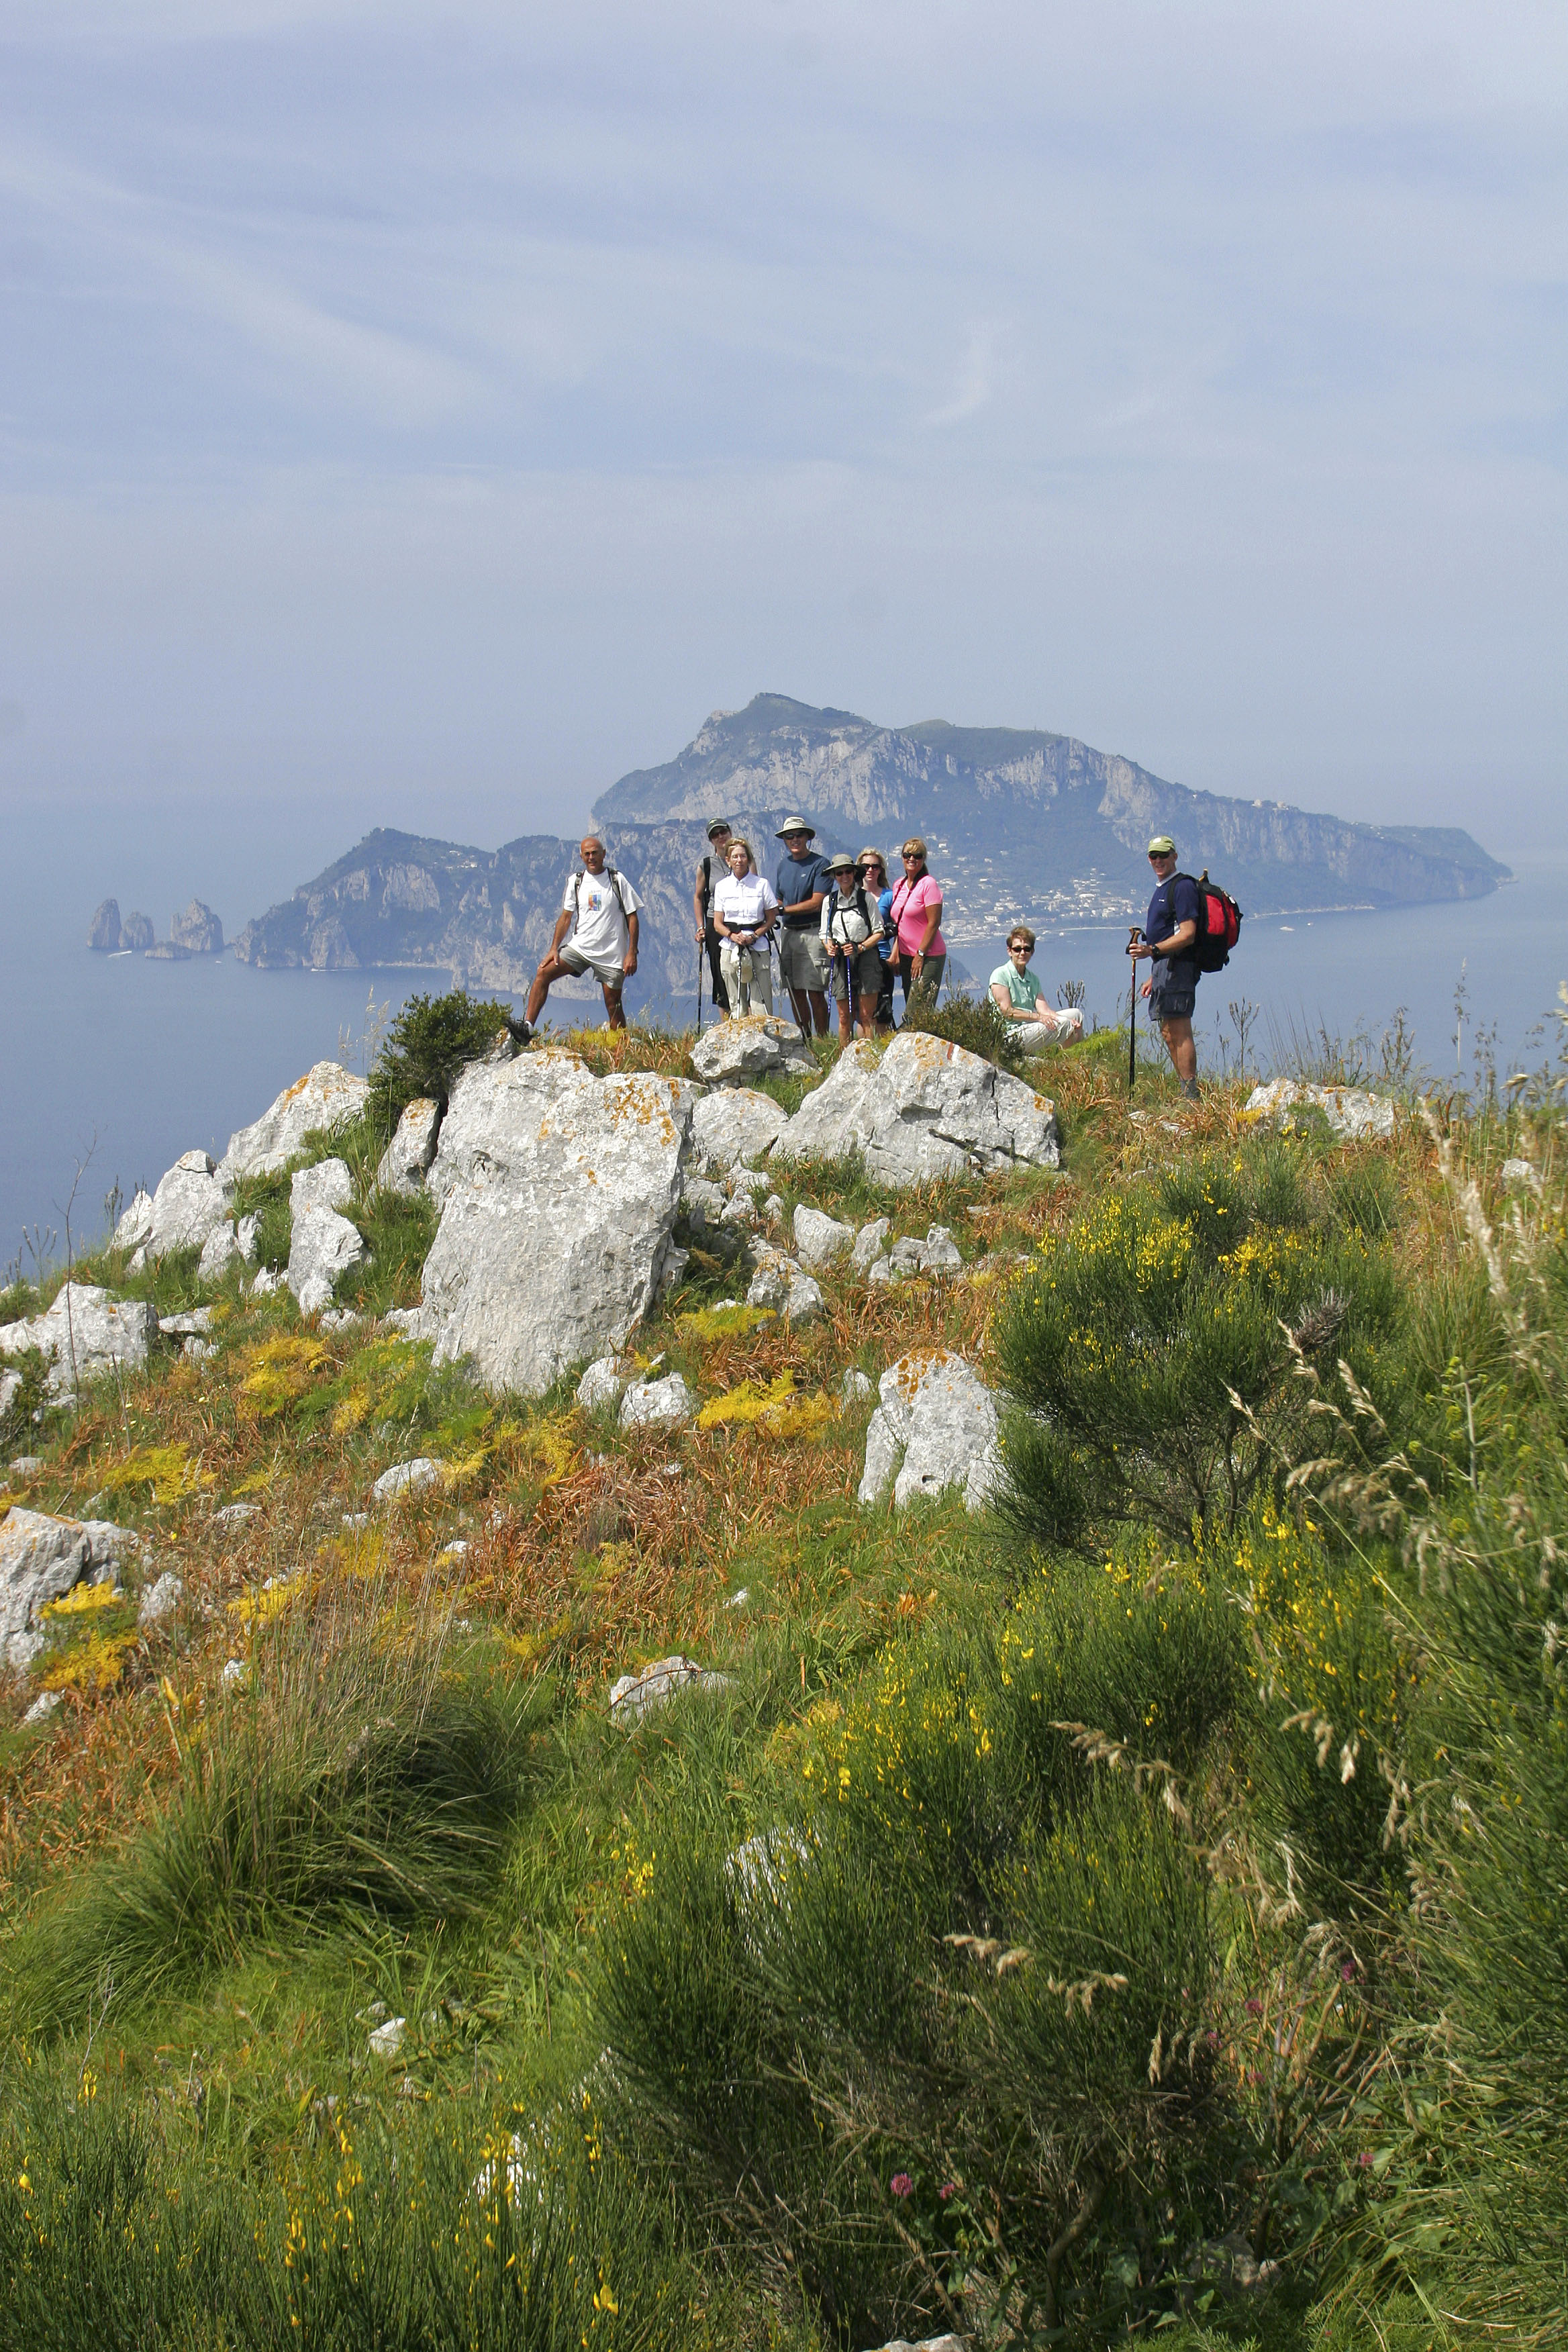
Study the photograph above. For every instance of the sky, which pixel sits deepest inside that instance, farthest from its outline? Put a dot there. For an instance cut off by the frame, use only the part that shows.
(419, 416)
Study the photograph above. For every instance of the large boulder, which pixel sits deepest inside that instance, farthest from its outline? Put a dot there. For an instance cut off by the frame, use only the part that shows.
(733, 1051)
(328, 1184)
(558, 1193)
(85, 1332)
(939, 1416)
(327, 1097)
(322, 1246)
(735, 1125)
(197, 929)
(188, 1207)
(923, 1109)
(1351, 1111)
(103, 931)
(820, 1239)
(411, 1150)
(41, 1560)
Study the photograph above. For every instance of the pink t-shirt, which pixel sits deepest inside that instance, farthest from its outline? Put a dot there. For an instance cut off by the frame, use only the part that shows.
(912, 910)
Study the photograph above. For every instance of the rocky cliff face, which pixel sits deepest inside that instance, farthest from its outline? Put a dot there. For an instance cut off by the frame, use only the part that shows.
(1020, 823)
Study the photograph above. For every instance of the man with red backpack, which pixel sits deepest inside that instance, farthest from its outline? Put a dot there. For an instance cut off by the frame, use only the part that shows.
(1171, 929)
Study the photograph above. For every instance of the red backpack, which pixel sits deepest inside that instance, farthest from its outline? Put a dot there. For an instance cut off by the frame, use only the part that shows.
(1219, 919)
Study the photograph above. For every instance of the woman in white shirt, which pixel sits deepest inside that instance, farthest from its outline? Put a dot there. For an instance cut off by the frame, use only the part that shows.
(851, 927)
(745, 909)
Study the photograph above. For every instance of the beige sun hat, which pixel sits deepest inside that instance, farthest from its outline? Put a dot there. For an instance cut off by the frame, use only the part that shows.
(795, 824)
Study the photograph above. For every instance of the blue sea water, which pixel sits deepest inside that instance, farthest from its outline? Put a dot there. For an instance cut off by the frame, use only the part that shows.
(117, 1064)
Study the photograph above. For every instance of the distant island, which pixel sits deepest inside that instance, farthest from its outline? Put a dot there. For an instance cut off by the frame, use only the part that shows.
(1022, 824)
(194, 930)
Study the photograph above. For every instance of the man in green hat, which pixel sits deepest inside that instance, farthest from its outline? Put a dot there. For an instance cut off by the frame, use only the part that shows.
(1170, 934)
(715, 863)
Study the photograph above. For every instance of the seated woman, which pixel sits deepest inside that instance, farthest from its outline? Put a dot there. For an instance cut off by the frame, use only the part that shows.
(851, 930)
(1016, 992)
(745, 909)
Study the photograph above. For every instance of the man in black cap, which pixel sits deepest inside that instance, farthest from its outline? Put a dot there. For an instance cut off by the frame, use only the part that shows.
(1170, 934)
(803, 883)
(717, 861)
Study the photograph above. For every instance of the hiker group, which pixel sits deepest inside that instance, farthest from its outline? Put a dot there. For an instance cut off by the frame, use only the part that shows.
(842, 930)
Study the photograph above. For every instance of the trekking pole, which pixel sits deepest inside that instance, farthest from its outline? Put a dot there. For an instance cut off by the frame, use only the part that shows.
(1132, 1014)
(700, 946)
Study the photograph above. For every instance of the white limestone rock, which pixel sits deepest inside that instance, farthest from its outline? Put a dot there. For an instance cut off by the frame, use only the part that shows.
(412, 1322)
(819, 1239)
(387, 2040)
(702, 1202)
(323, 1245)
(219, 1251)
(328, 1185)
(25, 1465)
(234, 1514)
(668, 1403)
(195, 1323)
(42, 1559)
(601, 1384)
(246, 1236)
(734, 1125)
(730, 1052)
(924, 1108)
(782, 1283)
(189, 1206)
(43, 1706)
(10, 1385)
(268, 1280)
(327, 1097)
(411, 1150)
(406, 1478)
(868, 1246)
(634, 1696)
(558, 1195)
(941, 1418)
(160, 1601)
(855, 1388)
(84, 1332)
(1351, 1111)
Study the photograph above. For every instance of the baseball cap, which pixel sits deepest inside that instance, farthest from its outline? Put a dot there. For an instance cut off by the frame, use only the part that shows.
(1161, 846)
(795, 824)
(718, 825)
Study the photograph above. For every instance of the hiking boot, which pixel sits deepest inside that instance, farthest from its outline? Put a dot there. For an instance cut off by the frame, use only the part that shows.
(1190, 1089)
(519, 1032)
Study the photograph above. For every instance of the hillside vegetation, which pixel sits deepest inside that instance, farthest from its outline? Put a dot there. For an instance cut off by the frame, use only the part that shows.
(1133, 1912)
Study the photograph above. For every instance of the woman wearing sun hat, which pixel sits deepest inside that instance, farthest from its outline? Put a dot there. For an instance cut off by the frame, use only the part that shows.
(851, 927)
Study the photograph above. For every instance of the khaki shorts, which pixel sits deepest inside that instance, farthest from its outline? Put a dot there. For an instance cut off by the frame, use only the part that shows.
(866, 966)
(608, 975)
(803, 962)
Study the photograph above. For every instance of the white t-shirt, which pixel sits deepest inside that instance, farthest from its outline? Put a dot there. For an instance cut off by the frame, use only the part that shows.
(744, 901)
(600, 931)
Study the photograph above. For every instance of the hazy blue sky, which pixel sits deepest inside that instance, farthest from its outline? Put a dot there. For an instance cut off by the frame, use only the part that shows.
(422, 414)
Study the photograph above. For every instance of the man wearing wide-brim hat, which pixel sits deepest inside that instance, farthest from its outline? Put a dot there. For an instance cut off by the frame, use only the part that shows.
(801, 884)
(1170, 935)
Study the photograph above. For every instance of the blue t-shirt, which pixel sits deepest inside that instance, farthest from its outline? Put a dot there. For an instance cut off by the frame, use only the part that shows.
(798, 878)
(1175, 902)
(890, 938)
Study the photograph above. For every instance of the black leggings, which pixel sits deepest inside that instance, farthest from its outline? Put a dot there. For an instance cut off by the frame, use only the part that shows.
(721, 993)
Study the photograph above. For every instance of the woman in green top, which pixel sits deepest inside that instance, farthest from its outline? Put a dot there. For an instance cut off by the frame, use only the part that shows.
(1016, 992)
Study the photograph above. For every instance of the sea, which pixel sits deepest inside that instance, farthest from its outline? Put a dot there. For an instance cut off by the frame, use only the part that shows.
(111, 1066)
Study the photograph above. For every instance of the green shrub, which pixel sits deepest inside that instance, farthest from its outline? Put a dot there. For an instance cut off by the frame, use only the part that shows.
(976, 1023)
(426, 1047)
(1146, 1347)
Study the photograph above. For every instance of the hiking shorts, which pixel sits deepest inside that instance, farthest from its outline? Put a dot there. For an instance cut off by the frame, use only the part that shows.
(803, 962)
(866, 967)
(1174, 992)
(608, 975)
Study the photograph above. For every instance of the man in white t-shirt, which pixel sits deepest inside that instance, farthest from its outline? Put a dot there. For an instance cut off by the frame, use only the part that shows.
(599, 907)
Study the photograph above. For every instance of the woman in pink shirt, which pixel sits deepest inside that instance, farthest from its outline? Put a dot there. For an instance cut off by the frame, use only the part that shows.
(920, 951)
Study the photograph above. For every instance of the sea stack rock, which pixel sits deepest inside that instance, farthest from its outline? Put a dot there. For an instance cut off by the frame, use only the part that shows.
(197, 928)
(103, 931)
(136, 932)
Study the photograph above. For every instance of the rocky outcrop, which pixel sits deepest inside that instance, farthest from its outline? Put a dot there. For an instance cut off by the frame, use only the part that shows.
(168, 951)
(41, 1560)
(189, 1206)
(667, 1404)
(406, 1478)
(935, 1427)
(323, 1245)
(136, 932)
(103, 931)
(85, 1332)
(411, 1150)
(923, 1109)
(1351, 1111)
(327, 1097)
(730, 1052)
(558, 1195)
(735, 1125)
(196, 930)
